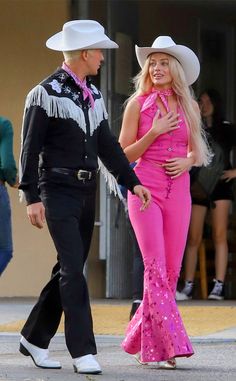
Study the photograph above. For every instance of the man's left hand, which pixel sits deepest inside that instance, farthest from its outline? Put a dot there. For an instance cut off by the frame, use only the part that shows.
(144, 195)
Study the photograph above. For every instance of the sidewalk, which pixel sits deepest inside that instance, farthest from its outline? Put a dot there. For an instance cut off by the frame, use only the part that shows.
(203, 319)
(214, 358)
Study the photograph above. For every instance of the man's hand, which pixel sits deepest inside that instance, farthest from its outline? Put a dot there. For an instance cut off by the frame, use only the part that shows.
(144, 195)
(36, 214)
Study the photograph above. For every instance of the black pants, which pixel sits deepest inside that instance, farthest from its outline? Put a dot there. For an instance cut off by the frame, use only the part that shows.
(70, 213)
(138, 266)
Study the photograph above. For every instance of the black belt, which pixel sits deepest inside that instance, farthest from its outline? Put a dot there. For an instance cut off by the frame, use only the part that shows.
(80, 174)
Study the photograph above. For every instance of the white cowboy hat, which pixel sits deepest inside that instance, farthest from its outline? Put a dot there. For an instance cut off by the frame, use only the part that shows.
(79, 35)
(186, 57)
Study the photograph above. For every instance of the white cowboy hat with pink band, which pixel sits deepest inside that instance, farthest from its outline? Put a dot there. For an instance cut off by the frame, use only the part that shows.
(164, 44)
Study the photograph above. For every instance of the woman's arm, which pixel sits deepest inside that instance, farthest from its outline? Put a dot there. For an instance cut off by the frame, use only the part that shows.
(229, 174)
(134, 148)
(129, 130)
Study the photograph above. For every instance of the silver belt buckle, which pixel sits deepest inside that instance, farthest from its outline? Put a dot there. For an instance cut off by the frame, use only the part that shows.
(82, 172)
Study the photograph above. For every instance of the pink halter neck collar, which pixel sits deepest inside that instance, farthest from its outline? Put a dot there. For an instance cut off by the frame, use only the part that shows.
(165, 92)
(152, 97)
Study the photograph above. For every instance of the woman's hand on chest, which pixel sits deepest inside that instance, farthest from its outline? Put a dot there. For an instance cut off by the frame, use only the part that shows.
(164, 124)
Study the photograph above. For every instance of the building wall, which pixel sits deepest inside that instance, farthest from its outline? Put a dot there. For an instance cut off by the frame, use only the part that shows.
(25, 26)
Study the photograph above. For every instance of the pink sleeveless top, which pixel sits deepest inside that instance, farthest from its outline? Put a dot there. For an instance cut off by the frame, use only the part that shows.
(166, 146)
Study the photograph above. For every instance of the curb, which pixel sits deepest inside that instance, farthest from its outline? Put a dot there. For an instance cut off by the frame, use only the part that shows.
(109, 339)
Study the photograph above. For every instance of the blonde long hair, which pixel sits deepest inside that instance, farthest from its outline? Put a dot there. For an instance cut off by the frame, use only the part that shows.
(198, 142)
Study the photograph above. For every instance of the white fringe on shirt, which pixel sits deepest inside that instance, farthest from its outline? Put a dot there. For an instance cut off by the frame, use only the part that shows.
(65, 108)
(97, 114)
(110, 180)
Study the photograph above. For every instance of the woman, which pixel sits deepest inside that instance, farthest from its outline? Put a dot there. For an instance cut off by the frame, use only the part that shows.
(161, 130)
(219, 201)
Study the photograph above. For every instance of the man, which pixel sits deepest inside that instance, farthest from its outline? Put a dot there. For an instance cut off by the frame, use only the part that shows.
(7, 176)
(65, 125)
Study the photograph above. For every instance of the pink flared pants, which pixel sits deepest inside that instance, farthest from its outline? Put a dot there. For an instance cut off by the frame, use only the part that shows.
(156, 330)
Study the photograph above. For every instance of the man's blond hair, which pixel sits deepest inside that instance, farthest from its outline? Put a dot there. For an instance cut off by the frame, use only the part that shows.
(71, 55)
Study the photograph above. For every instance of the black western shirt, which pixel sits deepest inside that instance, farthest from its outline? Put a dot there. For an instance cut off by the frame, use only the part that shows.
(61, 130)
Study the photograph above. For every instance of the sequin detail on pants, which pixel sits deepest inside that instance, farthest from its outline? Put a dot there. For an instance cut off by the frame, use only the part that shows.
(156, 330)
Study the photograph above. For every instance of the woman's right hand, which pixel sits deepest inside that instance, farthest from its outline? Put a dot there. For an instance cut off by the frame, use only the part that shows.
(229, 174)
(165, 124)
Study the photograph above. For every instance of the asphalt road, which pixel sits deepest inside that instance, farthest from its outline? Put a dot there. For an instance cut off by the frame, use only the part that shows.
(213, 360)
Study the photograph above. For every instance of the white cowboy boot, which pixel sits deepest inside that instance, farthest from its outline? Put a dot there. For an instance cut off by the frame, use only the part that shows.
(86, 365)
(39, 356)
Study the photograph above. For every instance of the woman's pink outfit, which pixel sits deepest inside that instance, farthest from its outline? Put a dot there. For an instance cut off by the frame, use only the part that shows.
(156, 330)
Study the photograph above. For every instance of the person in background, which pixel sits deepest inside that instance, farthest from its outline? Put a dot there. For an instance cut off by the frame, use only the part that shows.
(66, 126)
(218, 202)
(229, 175)
(161, 131)
(8, 175)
